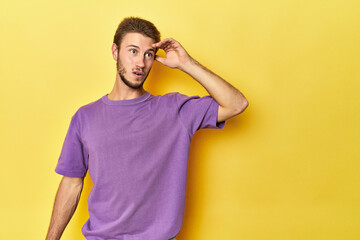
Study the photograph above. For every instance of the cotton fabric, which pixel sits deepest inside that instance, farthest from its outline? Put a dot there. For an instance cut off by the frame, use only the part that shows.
(136, 153)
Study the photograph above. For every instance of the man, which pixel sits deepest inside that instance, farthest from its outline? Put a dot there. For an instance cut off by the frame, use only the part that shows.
(136, 145)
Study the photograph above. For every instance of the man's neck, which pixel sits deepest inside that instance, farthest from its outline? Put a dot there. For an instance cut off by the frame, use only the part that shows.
(125, 95)
(121, 91)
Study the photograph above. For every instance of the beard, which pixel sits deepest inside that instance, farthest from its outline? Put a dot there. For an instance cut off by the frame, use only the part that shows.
(121, 70)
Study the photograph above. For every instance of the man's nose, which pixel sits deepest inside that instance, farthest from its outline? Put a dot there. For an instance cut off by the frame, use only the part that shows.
(140, 61)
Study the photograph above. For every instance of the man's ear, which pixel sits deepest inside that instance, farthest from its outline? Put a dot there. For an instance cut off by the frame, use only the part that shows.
(114, 50)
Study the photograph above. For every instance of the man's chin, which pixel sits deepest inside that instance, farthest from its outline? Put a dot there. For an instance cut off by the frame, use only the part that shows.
(138, 83)
(135, 86)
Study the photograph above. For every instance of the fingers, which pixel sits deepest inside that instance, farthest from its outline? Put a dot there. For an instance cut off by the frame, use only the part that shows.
(162, 42)
(165, 44)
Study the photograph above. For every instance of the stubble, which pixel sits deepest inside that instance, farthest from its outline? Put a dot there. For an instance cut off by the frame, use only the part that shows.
(121, 70)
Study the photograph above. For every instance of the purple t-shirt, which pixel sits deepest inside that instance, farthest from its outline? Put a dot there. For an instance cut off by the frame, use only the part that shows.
(136, 152)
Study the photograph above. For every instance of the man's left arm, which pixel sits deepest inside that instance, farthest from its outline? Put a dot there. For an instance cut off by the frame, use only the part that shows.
(231, 101)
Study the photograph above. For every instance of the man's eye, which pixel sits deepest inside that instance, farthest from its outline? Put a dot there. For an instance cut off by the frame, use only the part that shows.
(148, 54)
(132, 50)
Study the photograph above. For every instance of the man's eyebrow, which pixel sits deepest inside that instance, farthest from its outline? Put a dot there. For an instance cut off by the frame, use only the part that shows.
(135, 46)
(131, 45)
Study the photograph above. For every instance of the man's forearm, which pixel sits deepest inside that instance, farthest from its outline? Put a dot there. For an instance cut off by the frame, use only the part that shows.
(66, 201)
(223, 92)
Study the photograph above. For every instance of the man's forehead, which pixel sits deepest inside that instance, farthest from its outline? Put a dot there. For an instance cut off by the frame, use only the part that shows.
(137, 39)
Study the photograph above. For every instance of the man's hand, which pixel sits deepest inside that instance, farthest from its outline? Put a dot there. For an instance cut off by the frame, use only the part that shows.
(176, 55)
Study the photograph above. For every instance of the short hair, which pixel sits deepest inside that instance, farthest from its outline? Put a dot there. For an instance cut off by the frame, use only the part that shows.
(135, 25)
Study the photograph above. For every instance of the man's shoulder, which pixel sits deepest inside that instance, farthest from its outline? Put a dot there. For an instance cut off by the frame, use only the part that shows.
(175, 96)
(89, 107)
(171, 98)
(179, 97)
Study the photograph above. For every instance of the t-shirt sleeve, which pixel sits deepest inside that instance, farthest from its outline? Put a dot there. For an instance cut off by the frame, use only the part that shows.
(72, 161)
(198, 112)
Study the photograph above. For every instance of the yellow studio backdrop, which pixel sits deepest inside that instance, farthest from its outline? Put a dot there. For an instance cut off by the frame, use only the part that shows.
(286, 168)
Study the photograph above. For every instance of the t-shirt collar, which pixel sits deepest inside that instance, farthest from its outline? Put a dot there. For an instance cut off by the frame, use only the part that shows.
(142, 98)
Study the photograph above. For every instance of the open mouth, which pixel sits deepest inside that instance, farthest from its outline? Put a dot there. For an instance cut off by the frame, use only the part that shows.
(138, 74)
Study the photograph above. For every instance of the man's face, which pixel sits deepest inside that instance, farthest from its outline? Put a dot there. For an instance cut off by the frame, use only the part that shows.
(135, 59)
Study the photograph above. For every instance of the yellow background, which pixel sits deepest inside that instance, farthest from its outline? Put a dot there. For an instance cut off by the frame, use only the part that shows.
(286, 168)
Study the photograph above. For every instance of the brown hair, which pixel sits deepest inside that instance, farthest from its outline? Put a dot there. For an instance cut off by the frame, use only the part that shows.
(137, 25)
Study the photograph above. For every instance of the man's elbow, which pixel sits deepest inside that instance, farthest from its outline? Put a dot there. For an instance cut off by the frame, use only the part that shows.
(242, 106)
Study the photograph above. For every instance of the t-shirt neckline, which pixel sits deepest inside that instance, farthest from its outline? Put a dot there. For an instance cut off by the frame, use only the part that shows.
(142, 98)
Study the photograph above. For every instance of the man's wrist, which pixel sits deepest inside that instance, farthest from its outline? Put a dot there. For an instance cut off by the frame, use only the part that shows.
(189, 66)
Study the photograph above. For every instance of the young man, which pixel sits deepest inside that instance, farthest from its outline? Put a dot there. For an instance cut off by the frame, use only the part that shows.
(136, 145)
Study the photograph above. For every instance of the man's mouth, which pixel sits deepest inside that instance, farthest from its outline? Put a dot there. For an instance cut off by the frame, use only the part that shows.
(138, 73)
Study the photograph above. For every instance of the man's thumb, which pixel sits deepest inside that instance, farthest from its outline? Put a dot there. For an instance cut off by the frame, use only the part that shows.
(159, 59)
